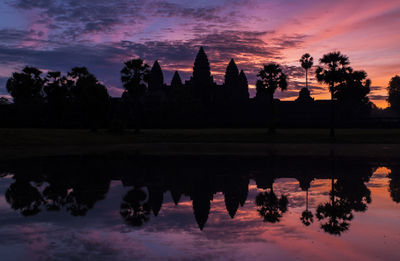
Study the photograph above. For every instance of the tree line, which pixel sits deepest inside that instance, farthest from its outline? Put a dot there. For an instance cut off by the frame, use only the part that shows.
(145, 87)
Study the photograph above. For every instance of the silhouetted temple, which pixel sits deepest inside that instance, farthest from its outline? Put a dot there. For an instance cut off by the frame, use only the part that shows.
(193, 103)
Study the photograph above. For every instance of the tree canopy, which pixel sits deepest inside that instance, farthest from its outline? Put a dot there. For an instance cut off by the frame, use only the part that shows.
(394, 93)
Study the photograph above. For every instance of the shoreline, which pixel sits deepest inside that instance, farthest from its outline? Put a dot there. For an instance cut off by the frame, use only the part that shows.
(376, 151)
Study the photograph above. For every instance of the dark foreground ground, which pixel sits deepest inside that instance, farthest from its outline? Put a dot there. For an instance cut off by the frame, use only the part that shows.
(21, 143)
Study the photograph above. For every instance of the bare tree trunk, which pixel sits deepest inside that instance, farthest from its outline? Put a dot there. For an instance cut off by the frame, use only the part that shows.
(307, 79)
(333, 177)
(272, 128)
(137, 115)
(332, 131)
(307, 199)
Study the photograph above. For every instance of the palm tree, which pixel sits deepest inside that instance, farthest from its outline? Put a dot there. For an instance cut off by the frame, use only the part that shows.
(333, 67)
(135, 78)
(271, 78)
(306, 62)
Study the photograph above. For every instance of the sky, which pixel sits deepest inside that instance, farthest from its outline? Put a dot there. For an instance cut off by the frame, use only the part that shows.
(102, 34)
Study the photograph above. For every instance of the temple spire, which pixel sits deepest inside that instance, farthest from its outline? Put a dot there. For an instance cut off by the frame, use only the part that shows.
(202, 80)
(157, 78)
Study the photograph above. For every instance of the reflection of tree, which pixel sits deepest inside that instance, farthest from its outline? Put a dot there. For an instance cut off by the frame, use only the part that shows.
(134, 209)
(351, 195)
(307, 216)
(271, 208)
(55, 195)
(337, 212)
(22, 196)
(394, 185)
(353, 192)
(85, 193)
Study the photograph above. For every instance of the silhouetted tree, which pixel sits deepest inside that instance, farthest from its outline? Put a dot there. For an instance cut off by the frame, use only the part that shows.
(26, 87)
(271, 78)
(91, 95)
(332, 69)
(135, 77)
(306, 62)
(351, 94)
(271, 208)
(135, 210)
(58, 92)
(202, 81)
(394, 94)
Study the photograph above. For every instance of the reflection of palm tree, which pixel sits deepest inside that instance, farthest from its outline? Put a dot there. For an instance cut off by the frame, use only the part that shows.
(22, 196)
(271, 208)
(306, 215)
(305, 183)
(337, 212)
(134, 210)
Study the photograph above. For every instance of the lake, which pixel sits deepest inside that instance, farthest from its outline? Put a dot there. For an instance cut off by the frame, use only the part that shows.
(122, 206)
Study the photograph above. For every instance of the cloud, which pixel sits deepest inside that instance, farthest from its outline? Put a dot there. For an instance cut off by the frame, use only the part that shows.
(252, 32)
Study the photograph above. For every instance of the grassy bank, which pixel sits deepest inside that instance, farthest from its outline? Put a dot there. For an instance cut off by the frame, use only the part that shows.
(37, 142)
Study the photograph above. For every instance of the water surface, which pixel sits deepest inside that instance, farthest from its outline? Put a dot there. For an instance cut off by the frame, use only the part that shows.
(127, 207)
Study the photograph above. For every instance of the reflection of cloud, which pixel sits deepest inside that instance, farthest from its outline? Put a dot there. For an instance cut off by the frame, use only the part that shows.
(101, 235)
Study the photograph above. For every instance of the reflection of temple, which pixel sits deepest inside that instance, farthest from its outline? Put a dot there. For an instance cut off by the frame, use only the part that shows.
(83, 181)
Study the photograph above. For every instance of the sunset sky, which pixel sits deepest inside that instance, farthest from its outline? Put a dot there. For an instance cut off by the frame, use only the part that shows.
(101, 34)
